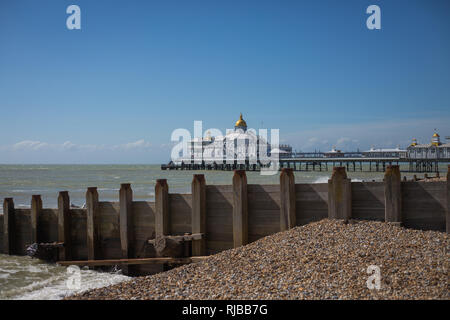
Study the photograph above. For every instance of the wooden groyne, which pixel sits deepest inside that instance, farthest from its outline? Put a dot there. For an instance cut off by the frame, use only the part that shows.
(144, 236)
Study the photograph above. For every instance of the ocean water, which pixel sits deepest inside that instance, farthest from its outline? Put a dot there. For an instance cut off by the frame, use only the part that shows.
(22, 181)
(26, 278)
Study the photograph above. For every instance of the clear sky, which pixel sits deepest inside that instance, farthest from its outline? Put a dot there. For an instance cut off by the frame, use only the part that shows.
(114, 91)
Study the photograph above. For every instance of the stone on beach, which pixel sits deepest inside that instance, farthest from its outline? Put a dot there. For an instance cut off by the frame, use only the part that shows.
(322, 260)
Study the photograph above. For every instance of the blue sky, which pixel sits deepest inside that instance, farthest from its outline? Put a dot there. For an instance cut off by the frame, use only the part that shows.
(114, 91)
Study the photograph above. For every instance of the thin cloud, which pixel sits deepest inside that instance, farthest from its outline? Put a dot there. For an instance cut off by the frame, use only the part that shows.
(31, 145)
(140, 144)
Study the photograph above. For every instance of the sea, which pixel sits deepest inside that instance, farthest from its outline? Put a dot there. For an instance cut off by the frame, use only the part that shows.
(27, 278)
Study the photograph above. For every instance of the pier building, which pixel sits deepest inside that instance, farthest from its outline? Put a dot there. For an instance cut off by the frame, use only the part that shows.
(385, 153)
(241, 144)
(435, 149)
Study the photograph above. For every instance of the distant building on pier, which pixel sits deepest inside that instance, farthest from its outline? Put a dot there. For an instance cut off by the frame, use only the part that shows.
(385, 153)
(334, 153)
(433, 150)
(283, 150)
(244, 144)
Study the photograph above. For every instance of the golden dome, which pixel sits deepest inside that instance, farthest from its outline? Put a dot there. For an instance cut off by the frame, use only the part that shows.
(435, 135)
(241, 122)
(414, 142)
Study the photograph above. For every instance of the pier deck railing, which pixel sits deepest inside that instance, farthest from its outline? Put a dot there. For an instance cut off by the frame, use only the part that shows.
(367, 164)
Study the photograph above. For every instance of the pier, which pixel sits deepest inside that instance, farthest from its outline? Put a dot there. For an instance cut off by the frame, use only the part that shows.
(321, 163)
(244, 150)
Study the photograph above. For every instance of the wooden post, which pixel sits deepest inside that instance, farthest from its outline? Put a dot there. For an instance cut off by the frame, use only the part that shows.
(240, 209)
(64, 225)
(162, 225)
(287, 199)
(392, 194)
(448, 200)
(8, 226)
(198, 213)
(93, 239)
(126, 203)
(339, 195)
(36, 208)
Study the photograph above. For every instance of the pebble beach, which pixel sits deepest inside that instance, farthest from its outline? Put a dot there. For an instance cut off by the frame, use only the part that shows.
(328, 259)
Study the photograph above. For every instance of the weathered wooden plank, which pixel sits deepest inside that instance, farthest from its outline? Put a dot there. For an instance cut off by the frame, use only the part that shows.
(240, 209)
(263, 188)
(219, 226)
(211, 208)
(112, 262)
(92, 224)
(219, 198)
(22, 236)
(161, 220)
(8, 226)
(368, 201)
(315, 188)
(198, 219)
(219, 188)
(186, 237)
(214, 247)
(64, 226)
(431, 187)
(219, 212)
(126, 227)
(108, 219)
(423, 209)
(311, 202)
(339, 195)
(264, 205)
(78, 232)
(262, 223)
(219, 223)
(311, 192)
(48, 225)
(180, 199)
(264, 217)
(1, 234)
(178, 203)
(143, 221)
(144, 213)
(264, 196)
(417, 187)
(287, 196)
(447, 215)
(393, 194)
(180, 208)
(162, 215)
(36, 209)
